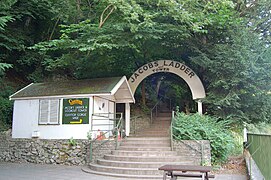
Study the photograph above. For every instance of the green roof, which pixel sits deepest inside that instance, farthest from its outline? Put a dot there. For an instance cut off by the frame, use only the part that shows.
(72, 87)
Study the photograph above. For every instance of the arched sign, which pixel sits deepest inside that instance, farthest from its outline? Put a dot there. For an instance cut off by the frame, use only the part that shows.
(170, 66)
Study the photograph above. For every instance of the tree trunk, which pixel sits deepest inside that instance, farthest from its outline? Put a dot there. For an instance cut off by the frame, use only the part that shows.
(186, 106)
(159, 81)
(143, 93)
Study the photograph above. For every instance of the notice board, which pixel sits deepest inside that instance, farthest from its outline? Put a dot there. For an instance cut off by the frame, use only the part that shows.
(75, 111)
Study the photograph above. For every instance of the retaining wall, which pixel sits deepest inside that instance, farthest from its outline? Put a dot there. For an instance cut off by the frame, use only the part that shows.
(44, 151)
(194, 149)
(139, 123)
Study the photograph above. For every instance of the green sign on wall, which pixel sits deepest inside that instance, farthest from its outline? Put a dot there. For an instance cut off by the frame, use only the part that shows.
(75, 111)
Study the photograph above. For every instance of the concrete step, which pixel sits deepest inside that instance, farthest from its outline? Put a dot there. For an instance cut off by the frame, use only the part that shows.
(161, 121)
(165, 110)
(130, 176)
(125, 170)
(146, 141)
(147, 138)
(134, 144)
(138, 164)
(152, 135)
(137, 148)
(125, 176)
(162, 118)
(144, 159)
(164, 114)
(144, 153)
(162, 125)
(154, 130)
(158, 126)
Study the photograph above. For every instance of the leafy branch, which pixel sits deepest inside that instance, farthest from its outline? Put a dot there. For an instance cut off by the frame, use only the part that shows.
(109, 8)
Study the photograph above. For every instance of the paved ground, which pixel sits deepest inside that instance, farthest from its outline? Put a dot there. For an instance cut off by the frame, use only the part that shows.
(16, 171)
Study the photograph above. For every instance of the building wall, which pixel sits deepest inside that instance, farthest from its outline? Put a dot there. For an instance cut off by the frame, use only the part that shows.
(101, 120)
(25, 118)
(25, 122)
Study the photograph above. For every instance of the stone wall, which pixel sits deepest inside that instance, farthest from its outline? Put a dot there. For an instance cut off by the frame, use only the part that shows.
(193, 149)
(45, 151)
(138, 123)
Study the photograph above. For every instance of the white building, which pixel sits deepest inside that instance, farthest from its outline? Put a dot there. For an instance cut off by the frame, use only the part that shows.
(71, 109)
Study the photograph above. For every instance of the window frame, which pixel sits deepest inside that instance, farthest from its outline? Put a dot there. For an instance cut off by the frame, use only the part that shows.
(50, 120)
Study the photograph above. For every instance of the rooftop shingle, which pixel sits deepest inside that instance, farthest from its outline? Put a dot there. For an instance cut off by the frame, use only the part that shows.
(72, 87)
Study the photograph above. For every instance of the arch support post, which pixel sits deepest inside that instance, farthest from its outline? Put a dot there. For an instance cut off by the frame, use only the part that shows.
(200, 111)
(127, 119)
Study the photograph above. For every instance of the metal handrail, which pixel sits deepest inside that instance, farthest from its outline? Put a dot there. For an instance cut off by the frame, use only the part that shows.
(134, 122)
(155, 108)
(117, 130)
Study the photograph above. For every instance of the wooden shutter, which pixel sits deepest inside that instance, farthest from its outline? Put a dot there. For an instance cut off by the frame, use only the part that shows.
(49, 111)
(54, 109)
(44, 110)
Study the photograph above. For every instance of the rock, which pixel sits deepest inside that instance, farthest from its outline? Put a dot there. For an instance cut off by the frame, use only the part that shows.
(27, 145)
(43, 151)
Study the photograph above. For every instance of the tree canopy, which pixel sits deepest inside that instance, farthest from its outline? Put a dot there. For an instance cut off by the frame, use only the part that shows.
(226, 42)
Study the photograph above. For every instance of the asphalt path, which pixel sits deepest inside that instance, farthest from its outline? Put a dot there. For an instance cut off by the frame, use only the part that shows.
(28, 171)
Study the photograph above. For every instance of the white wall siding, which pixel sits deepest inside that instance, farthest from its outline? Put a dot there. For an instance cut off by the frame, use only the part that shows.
(101, 117)
(67, 131)
(25, 122)
(25, 118)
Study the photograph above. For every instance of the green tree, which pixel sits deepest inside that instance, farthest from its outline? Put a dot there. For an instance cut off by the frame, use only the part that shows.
(224, 41)
(22, 24)
(237, 76)
(130, 33)
(211, 37)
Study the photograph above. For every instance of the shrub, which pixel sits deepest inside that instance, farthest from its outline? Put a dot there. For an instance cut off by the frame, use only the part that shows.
(5, 106)
(203, 127)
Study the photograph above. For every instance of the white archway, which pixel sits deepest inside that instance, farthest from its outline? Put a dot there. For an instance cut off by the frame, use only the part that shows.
(181, 70)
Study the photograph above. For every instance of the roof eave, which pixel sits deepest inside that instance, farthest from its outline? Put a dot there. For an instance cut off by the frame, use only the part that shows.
(10, 97)
(117, 86)
(61, 96)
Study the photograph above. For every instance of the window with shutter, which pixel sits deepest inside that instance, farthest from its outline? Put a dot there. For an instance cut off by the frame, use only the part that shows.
(49, 111)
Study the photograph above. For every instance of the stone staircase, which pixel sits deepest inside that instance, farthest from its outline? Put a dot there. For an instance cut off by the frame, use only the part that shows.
(159, 128)
(141, 156)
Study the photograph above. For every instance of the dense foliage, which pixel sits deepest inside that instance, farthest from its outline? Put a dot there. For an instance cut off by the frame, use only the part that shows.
(5, 106)
(226, 42)
(239, 76)
(197, 127)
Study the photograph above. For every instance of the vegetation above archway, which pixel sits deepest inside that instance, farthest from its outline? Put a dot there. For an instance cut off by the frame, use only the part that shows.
(225, 42)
